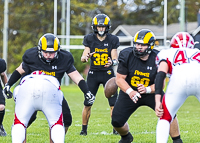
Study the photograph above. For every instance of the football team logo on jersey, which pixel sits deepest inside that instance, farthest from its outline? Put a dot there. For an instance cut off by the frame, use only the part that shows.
(54, 67)
(149, 68)
(109, 72)
(105, 44)
(90, 72)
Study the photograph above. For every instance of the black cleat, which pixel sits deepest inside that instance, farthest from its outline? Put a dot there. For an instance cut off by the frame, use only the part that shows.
(115, 132)
(83, 133)
(177, 141)
(127, 139)
(2, 131)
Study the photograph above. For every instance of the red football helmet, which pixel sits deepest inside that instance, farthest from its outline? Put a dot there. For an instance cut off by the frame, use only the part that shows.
(182, 40)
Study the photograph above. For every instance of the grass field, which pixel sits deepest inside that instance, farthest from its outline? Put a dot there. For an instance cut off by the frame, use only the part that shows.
(142, 123)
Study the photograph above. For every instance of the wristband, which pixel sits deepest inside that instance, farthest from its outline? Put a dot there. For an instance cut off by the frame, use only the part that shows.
(148, 89)
(129, 90)
(114, 62)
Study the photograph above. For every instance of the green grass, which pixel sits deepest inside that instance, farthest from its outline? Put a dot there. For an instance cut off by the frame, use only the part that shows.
(142, 123)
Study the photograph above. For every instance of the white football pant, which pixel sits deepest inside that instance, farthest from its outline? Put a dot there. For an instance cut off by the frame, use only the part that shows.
(38, 94)
(184, 82)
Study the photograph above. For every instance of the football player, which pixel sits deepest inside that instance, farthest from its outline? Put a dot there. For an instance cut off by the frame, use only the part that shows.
(101, 48)
(182, 62)
(38, 92)
(49, 58)
(2, 98)
(135, 77)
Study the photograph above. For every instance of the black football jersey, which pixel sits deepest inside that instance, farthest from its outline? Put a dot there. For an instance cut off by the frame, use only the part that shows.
(64, 63)
(102, 49)
(2, 68)
(137, 71)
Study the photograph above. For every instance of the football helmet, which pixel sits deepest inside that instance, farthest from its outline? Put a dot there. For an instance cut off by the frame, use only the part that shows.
(145, 37)
(182, 40)
(48, 43)
(103, 21)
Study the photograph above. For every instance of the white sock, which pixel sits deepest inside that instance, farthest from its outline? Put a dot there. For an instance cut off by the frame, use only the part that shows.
(18, 133)
(162, 131)
(58, 134)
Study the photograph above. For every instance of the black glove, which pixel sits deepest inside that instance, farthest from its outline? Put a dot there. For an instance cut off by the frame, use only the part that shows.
(6, 92)
(90, 97)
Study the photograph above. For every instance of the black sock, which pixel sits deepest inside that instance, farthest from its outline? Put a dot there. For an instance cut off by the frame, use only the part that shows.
(175, 138)
(84, 127)
(124, 136)
(2, 113)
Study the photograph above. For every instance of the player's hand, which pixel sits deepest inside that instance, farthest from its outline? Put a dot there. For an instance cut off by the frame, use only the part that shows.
(89, 55)
(159, 109)
(134, 95)
(90, 98)
(109, 63)
(141, 88)
(6, 92)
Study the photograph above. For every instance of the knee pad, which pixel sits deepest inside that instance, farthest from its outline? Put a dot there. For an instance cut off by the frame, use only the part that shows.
(58, 134)
(116, 123)
(18, 133)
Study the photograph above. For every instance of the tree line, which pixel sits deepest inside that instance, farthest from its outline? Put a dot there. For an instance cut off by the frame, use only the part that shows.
(29, 20)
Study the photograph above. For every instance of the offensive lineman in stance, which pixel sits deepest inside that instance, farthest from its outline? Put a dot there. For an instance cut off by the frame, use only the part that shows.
(101, 48)
(38, 92)
(182, 61)
(135, 77)
(49, 58)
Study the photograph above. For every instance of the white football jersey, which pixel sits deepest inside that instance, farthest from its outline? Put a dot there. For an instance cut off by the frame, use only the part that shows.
(51, 79)
(178, 56)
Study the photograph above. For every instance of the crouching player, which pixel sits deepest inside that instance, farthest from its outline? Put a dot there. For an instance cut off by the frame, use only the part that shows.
(38, 92)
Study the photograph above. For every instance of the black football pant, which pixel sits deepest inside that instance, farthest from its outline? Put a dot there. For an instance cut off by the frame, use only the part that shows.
(95, 78)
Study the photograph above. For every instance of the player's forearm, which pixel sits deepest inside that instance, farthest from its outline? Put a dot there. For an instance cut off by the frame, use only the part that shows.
(4, 78)
(157, 98)
(14, 78)
(83, 59)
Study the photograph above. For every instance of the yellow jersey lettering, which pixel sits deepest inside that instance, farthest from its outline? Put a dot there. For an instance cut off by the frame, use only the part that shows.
(49, 73)
(101, 50)
(141, 73)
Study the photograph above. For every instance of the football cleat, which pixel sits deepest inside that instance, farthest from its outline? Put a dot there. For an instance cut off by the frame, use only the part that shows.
(127, 139)
(2, 131)
(83, 133)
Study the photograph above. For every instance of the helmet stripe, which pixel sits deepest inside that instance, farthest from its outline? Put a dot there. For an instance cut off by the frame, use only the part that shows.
(56, 41)
(147, 37)
(44, 43)
(95, 21)
(136, 37)
(107, 19)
